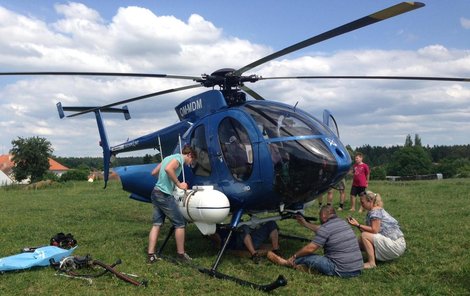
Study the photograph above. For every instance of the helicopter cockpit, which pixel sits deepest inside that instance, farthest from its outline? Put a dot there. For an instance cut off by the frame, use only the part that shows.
(304, 162)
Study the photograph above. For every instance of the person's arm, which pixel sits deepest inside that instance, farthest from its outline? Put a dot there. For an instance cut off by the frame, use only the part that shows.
(306, 250)
(156, 170)
(373, 228)
(301, 220)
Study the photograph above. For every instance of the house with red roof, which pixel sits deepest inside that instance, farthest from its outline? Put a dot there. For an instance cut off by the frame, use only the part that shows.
(4, 179)
(6, 166)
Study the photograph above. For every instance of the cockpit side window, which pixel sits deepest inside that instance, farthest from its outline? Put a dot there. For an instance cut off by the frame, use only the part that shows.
(198, 142)
(236, 148)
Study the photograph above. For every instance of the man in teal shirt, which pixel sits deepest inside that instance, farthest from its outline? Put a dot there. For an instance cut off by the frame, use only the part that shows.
(164, 203)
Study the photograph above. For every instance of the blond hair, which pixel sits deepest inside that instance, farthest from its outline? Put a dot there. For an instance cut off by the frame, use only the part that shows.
(374, 197)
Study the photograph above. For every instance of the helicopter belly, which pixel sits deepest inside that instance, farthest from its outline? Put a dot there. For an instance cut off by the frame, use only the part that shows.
(138, 180)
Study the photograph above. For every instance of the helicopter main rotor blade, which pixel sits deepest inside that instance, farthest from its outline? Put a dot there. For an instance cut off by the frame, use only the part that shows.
(57, 73)
(252, 92)
(457, 79)
(359, 23)
(158, 93)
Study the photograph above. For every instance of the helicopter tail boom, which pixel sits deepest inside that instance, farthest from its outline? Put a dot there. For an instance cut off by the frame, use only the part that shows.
(163, 140)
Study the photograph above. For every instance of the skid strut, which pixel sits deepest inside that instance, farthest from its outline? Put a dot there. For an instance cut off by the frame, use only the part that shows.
(279, 282)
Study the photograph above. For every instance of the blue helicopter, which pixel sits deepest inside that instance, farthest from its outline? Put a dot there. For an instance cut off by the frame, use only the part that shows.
(254, 155)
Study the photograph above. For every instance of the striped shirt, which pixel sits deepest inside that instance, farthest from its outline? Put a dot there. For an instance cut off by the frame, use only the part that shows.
(340, 245)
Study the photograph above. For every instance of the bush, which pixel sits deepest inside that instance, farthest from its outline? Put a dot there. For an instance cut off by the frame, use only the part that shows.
(378, 173)
(459, 167)
(464, 171)
(50, 176)
(410, 161)
(74, 175)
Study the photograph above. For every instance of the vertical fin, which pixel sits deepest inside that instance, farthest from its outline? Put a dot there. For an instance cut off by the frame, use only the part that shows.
(104, 145)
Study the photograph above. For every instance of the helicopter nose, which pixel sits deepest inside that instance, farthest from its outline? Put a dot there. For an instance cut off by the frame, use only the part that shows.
(308, 167)
(342, 156)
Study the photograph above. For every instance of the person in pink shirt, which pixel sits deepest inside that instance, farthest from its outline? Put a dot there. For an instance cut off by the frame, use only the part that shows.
(361, 175)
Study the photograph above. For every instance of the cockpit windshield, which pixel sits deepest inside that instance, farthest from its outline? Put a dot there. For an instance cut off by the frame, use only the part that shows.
(302, 166)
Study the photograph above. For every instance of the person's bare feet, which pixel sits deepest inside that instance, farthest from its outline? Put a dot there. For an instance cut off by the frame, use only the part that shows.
(352, 210)
(368, 265)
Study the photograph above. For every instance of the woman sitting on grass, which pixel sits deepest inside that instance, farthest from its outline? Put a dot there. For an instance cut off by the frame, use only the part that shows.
(381, 237)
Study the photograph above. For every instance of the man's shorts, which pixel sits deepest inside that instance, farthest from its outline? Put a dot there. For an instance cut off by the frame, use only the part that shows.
(356, 190)
(340, 186)
(259, 235)
(164, 205)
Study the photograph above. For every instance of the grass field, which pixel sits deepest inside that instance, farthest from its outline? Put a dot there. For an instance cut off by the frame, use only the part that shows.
(434, 215)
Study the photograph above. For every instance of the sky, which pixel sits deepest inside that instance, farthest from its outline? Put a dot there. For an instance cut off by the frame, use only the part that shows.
(195, 37)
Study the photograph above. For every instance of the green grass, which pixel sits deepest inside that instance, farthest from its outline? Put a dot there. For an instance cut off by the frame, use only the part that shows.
(435, 217)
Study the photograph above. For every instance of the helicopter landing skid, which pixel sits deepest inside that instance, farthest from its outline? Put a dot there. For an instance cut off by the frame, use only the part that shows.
(279, 282)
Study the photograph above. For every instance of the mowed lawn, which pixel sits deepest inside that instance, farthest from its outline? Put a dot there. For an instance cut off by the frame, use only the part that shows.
(434, 215)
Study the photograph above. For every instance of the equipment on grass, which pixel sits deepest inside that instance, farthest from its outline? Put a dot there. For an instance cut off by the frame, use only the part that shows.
(70, 265)
(40, 257)
(61, 240)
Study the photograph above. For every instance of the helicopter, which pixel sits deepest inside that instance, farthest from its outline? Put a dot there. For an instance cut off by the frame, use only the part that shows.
(255, 156)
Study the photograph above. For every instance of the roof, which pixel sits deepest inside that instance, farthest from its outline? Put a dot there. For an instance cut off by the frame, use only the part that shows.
(55, 166)
(6, 164)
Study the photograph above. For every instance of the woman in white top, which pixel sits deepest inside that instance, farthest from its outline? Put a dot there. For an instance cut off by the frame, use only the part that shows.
(381, 236)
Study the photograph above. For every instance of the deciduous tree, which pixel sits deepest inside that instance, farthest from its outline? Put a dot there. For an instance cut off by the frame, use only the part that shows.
(31, 158)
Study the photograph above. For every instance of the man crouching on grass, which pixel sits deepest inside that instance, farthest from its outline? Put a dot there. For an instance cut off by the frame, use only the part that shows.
(342, 256)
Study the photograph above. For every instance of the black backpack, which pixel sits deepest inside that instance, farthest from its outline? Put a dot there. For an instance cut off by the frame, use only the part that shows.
(64, 241)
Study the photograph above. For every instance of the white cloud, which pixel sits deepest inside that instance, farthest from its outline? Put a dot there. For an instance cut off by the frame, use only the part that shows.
(465, 23)
(137, 40)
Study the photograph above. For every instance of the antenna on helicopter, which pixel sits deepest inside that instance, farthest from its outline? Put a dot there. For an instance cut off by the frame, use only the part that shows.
(181, 152)
(161, 150)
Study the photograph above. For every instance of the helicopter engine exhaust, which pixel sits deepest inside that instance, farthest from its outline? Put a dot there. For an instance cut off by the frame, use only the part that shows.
(204, 206)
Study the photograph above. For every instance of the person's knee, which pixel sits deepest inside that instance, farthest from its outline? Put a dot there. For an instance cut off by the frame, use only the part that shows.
(367, 236)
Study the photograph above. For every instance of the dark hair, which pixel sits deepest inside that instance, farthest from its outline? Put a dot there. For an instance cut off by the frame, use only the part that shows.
(189, 150)
(328, 209)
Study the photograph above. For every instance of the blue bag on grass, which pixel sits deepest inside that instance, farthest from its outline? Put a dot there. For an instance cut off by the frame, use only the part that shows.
(40, 257)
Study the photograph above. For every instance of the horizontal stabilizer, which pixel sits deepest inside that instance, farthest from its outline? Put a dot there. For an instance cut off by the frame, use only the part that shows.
(123, 110)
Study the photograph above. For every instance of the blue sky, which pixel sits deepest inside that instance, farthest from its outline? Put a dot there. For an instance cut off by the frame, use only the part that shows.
(195, 37)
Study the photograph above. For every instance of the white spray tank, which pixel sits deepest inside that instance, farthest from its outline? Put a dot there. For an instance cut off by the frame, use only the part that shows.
(204, 206)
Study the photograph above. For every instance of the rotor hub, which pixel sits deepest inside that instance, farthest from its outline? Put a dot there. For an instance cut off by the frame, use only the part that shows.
(225, 79)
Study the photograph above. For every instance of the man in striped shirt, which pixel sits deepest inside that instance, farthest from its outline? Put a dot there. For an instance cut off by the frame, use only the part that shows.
(342, 256)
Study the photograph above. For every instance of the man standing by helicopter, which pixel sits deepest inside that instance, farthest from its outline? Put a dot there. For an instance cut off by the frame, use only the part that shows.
(164, 203)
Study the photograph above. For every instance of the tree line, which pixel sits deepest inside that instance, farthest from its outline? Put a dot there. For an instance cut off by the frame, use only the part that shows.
(413, 159)
(31, 158)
